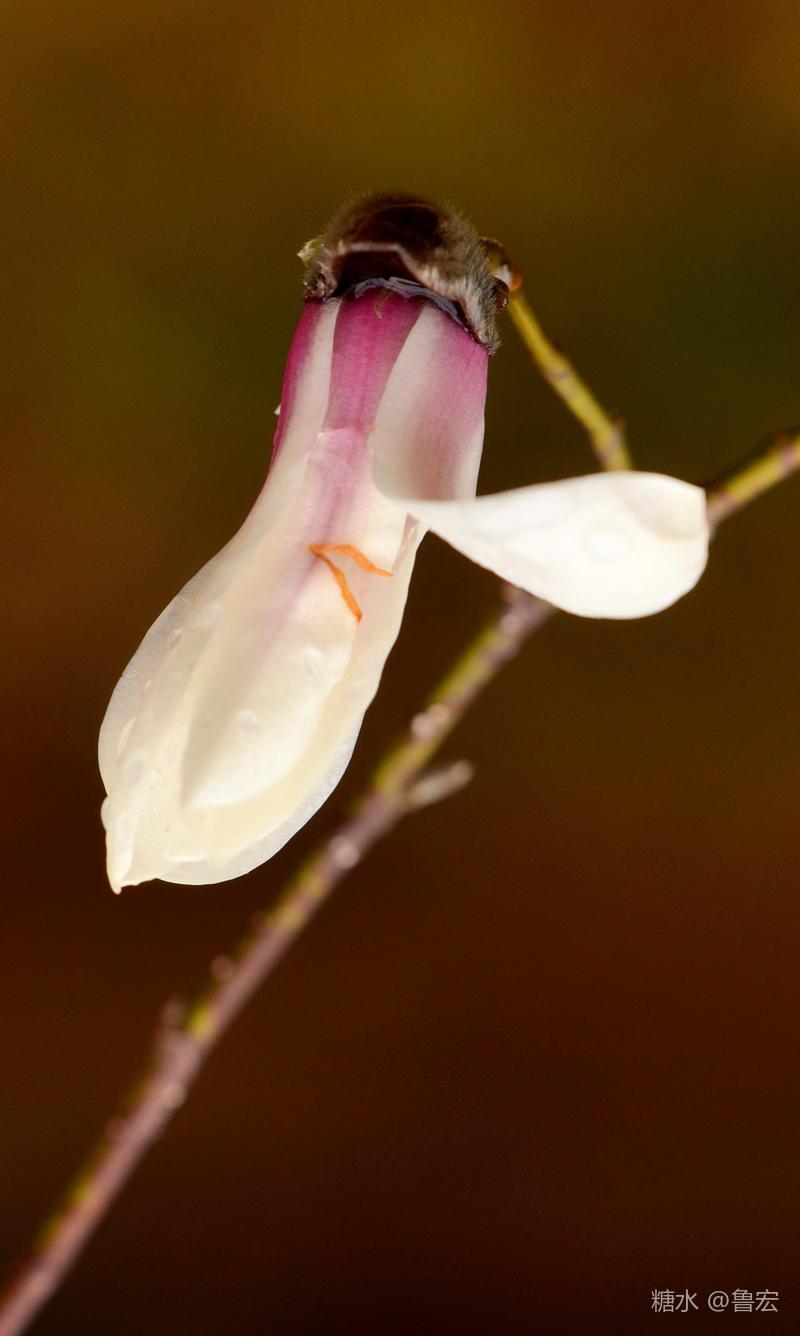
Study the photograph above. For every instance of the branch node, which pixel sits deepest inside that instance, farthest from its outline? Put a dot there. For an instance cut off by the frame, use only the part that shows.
(426, 725)
(343, 852)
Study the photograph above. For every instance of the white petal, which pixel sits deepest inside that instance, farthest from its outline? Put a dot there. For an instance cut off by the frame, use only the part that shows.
(607, 545)
(153, 833)
(428, 435)
(238, 714)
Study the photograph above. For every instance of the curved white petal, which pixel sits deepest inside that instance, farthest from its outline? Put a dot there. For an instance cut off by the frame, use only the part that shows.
(253, 782)
(239, 712)
(607, 545)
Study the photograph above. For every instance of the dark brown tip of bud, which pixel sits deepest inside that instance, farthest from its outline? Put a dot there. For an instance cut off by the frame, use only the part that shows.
(412, 224)
(402, 237)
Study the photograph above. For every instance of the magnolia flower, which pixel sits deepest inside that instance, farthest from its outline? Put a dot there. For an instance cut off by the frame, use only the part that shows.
(239, 712)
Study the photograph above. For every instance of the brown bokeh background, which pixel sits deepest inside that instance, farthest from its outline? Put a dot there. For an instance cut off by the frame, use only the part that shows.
(539, 1056)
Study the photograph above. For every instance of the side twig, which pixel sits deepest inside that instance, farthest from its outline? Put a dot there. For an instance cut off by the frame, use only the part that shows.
(767, 466)
(606, 433)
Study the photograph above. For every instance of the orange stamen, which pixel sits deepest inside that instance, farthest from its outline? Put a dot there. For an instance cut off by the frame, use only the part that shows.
(346, 550)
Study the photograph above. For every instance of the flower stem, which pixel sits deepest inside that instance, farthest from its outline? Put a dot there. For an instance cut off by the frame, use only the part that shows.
(606, 433)
(762, 470)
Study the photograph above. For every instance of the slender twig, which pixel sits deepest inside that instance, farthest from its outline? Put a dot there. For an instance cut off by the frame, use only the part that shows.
(763, 469)
(400, 785)
(607, 434)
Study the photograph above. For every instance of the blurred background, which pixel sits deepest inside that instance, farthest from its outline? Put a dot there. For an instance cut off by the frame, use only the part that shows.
(539, 1056)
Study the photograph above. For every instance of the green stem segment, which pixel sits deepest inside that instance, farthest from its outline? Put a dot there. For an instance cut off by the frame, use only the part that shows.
(607, 434)
(762, 470)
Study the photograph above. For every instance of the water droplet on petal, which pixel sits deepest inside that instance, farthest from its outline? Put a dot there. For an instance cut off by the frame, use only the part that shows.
(247, 722)
(605, 542)
(133, 769)
(316, 664)
(198, 855)
(124, 830)
(124, 735)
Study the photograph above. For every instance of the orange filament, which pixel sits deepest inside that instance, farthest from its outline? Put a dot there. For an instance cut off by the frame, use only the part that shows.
(346, 550)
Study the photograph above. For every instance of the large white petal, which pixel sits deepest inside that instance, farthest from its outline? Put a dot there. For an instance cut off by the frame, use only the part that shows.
(238, 714)
(607, 545)
(152, 833)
